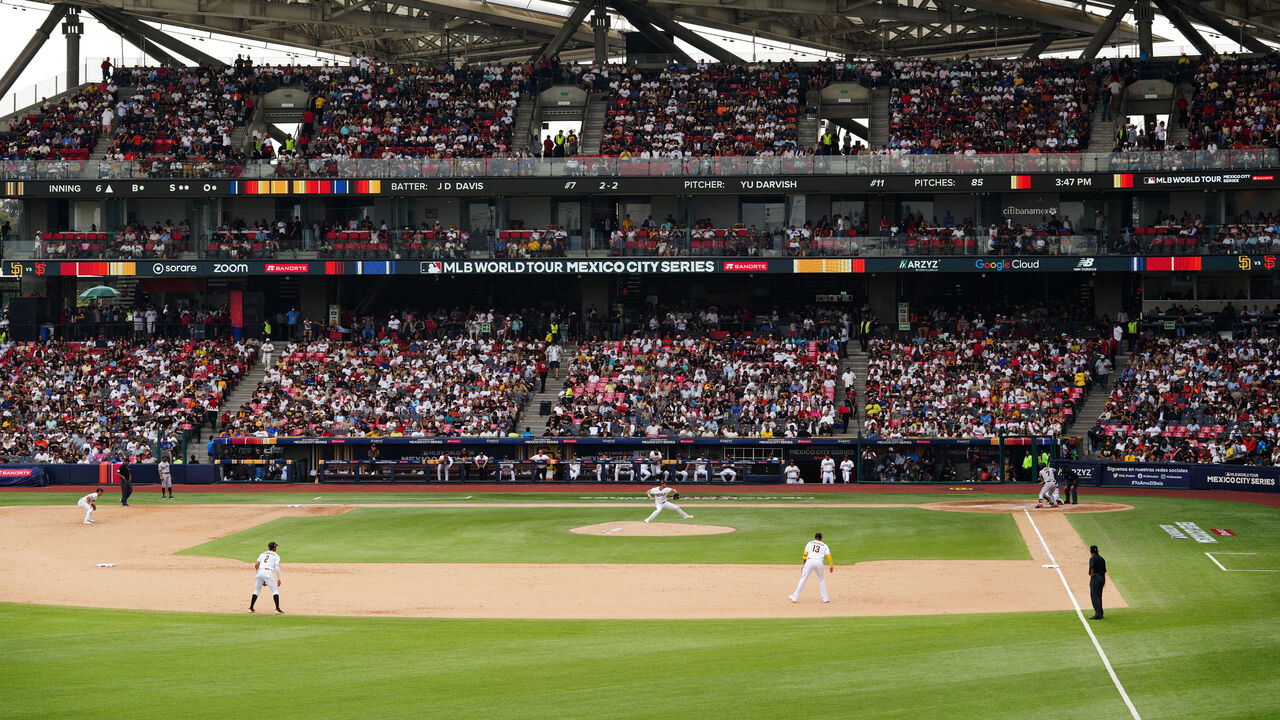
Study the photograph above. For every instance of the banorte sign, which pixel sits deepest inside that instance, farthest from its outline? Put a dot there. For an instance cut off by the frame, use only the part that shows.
(286, 268)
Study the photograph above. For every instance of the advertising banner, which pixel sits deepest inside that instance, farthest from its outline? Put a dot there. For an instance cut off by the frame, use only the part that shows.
(1179, 476)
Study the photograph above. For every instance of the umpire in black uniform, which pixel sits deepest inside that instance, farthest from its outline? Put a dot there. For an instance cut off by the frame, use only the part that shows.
(1069, 488)
(126, 482)
(1097, 579)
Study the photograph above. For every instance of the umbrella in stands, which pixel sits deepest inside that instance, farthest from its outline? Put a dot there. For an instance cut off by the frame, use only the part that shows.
(99, 292)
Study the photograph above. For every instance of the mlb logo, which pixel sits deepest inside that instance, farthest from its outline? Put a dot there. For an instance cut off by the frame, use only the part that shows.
(432, 268)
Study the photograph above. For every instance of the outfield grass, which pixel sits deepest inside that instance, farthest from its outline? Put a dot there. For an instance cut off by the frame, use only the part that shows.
(541, 535)
(1196, 642)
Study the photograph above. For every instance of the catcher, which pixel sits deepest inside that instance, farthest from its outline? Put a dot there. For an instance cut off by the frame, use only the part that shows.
(661, 495)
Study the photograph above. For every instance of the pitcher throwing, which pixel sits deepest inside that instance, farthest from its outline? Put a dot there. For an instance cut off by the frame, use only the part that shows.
(815, 553)
(659, 495)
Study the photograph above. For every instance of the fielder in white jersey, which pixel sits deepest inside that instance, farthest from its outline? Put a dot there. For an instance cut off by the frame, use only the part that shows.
(828, 471)
(846, 468)
(89, 503)
(1050, 479)
(815, 553)
(165, 470)
(267, 572)
(793, 474)
(659, 495)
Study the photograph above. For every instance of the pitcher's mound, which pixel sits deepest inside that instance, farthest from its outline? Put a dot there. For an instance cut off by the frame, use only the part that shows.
(636, 528)
(1006, 506)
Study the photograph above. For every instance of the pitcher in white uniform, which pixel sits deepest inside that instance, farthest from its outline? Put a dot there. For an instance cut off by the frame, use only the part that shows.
(815, 553)
(267, 572)
(828, 471)
(89, 503)
(659, 495)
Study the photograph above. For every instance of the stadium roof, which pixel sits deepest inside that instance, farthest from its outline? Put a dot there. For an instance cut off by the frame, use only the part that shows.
(521, 29)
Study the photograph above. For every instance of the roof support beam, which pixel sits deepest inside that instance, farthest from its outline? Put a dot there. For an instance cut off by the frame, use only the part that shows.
(1226, 29)
(1041, 44)
(1184, 26)
(664, 21)
(159, 37)
(1104, 33)
(32, 47)
(133, 35)
(570, 26)
(644, 23)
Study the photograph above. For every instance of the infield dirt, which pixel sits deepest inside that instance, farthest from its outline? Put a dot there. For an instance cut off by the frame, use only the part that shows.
(51, 558)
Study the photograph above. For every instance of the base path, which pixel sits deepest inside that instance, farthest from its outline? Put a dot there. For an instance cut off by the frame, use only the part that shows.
(51, 558)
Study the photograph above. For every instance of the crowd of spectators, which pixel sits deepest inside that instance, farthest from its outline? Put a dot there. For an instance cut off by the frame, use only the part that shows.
(182, 116)
(1235, 103)
(958, 374)
(1247, 233)
(1014, 106)
(703, 110)
(136, 240)
(738, 386)
(66, 129)
(463, 385)
(1195, 399)
(373, 109)
(111, 400)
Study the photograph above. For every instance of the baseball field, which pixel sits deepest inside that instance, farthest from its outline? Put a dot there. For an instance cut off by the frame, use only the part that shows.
(568, 606)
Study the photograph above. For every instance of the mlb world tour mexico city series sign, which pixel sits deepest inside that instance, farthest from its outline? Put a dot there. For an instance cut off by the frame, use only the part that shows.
(655, 266)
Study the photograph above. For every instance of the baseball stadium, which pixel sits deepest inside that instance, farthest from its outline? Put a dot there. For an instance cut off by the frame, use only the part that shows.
(640, 358)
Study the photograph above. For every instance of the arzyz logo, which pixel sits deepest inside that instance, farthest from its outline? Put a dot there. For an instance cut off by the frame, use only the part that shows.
(918, 265)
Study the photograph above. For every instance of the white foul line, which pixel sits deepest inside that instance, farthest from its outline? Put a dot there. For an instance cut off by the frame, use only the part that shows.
(1215, 562)
(1110, 671)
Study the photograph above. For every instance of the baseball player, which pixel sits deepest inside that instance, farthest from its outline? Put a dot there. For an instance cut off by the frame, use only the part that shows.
(653, 467)
(815, 553)
(443, 466)
(728, 474)
(1050, 489)
(541, 465)
(506, 470)
(682, 473)
(89, 503)
(793, 474)
(828, 466)
(659, 495)
(602, 467)
(482, 465)
(267, 572)
(846, 468)
(166, 477)
(700, 469)
(575, 469)
(624, 467)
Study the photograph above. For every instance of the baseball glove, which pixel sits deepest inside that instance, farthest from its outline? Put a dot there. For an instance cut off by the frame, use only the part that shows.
(675, 496)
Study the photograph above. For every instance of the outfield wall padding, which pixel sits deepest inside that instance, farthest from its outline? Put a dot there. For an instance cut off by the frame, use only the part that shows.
(1177, 476)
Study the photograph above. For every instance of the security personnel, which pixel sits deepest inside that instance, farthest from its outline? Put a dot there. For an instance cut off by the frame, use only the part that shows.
(1027, 461)
(864, 333)
(1097, 579)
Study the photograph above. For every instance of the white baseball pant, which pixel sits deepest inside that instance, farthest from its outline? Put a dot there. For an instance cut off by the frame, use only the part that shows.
(666, 505)
(828, 478)
(265, 578)
(728, 474)
(88, 510)
(812, 566)
(1046, 494)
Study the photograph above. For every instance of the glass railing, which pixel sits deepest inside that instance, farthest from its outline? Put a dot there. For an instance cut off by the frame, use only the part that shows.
(582, 166)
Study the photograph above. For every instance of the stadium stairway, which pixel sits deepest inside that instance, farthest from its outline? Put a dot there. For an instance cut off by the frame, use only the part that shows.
(1102, 134)
(1178, 134)
(593, 124)
(531, 417)
(857, 360)
(1094, 404)
(879, 119)
(236, 400)
(521, 135)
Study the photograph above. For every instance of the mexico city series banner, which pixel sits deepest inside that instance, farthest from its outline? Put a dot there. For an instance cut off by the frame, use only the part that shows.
(1179, 476)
